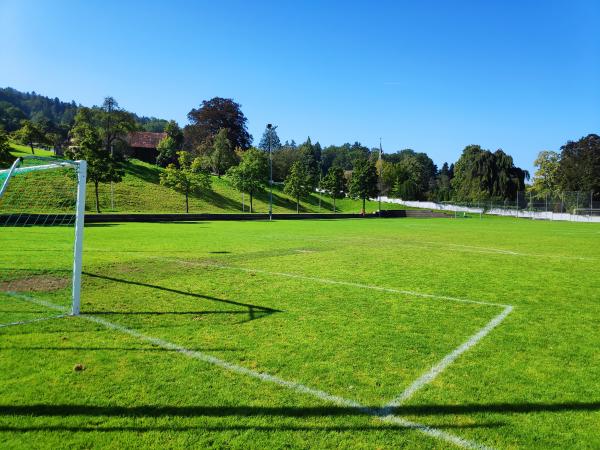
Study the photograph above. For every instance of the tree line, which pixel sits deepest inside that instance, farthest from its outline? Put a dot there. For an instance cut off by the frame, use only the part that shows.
(216, 140)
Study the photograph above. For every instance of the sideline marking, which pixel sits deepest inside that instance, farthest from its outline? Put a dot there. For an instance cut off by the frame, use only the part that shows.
(432, 373)
(328, 281)
(381, 414)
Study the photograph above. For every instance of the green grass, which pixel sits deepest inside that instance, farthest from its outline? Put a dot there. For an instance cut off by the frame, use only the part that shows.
(217, 288)
(141, 192)
(25, 150)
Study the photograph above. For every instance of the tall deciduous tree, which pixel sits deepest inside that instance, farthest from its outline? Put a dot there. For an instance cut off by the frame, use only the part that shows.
(299, 183)
(364, 181)
(334, 184)
(223, 155)
(114, 123)
(188, 178)
(545, 180)
(251, 174)
(102, 167)
(579, 168)
(212, 116)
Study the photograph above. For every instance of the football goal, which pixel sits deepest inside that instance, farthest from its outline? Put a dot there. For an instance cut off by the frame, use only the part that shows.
(42, 204)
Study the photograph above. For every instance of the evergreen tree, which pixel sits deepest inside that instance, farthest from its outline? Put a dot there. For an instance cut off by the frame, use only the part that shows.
(270, 133)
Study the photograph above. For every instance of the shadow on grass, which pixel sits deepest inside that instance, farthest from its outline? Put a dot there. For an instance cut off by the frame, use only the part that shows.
(117, 349)
(253, 311)
(148, 174)
(223, 202)
(51, 410)
(219, 429)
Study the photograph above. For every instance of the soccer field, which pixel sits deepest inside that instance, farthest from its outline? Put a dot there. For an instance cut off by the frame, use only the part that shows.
(379, 333)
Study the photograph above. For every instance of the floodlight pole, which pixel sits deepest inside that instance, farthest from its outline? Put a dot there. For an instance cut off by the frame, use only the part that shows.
(269, 128)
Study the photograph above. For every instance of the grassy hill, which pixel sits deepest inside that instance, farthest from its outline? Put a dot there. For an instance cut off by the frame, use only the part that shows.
(141, 192)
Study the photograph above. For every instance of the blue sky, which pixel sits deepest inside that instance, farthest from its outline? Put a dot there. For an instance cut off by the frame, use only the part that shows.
(523, 76)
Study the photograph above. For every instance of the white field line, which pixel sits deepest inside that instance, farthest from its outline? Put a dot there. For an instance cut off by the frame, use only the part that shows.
(432, 373)
(378, 413)
(329, 281)
(39, 319)
(23, 322)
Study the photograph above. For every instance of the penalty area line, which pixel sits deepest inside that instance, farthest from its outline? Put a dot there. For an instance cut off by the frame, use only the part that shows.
(436, 370)
(378, 413)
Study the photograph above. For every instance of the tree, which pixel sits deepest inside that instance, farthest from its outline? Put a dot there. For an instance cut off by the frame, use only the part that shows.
(188, 178)
(251, 174)
(167, 152)
(310, 155)
(5, 156)
(271, 134)
(545, 180)
(480, 175)
(114, 123)
(222, 156)
(212, 116)
(334, 184)
(101, 165)
(299, 183)
(364, 181)
(283, 159)
(442, 189)
(28, 134)
(174, 132)
(579, 168)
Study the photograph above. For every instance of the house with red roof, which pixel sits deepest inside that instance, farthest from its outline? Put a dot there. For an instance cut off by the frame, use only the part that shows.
(143, 145)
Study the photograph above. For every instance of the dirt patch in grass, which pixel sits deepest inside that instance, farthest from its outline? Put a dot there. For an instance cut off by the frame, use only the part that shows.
(36, 283)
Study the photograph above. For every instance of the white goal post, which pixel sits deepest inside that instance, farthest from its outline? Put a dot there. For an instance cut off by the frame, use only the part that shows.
(38, 192)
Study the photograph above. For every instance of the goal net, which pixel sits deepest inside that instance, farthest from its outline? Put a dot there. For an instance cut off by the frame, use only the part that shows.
(42, 203)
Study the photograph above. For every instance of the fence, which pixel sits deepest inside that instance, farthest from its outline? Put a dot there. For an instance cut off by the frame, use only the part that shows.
(572, 206)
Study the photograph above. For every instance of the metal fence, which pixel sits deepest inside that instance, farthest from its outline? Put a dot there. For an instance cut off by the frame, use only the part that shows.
(578, 203)
(574, 206)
